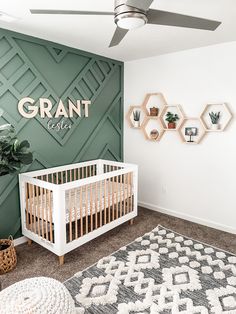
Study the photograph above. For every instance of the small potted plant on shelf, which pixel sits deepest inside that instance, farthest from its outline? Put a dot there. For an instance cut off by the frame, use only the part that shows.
(215, 117)
(136, 117)
(154, 111)
(171, 118)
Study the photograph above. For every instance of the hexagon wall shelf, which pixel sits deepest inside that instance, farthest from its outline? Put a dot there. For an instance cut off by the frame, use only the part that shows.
(176, 109)
(153, 100)
(225, 116)
(150, 124)
(130, 118)
(192, 123)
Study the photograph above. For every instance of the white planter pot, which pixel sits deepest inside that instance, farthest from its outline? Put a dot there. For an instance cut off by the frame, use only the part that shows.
(136, 124)
(215, 127)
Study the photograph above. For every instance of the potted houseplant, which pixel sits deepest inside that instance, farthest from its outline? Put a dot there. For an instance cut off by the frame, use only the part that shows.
(215, 117)
(171, 118)
(136, 117)
(13, 153)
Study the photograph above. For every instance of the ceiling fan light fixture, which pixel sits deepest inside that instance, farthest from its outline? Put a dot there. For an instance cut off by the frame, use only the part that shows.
(131, 20)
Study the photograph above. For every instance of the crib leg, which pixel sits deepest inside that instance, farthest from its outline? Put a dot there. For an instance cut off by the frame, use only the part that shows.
(131, 221)
(29, 241)
(61, 259)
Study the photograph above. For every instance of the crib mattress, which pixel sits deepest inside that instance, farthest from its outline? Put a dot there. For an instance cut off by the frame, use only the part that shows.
(101, 198)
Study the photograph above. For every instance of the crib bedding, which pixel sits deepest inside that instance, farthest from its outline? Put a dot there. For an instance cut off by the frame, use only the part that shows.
(74, 210)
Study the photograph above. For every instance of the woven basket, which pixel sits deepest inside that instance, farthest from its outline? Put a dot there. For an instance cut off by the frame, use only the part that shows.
(8, 256)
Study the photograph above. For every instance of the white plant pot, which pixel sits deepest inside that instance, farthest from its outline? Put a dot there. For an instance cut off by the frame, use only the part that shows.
(136, 124)
(215, 127)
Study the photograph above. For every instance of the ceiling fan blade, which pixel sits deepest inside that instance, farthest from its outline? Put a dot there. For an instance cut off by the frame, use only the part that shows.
(139, 4)
(69, 12)
(174, 19)
(118, 36)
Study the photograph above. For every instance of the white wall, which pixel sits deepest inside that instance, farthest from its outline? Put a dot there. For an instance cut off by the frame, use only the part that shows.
(196, 182)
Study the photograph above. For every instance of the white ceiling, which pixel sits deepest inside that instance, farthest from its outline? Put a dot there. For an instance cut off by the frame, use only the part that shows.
(93, 33)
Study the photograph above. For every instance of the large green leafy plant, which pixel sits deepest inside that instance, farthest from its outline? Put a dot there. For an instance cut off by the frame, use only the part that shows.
(13, 153)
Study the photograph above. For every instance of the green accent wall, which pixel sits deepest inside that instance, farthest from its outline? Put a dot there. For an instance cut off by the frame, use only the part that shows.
(31, 67)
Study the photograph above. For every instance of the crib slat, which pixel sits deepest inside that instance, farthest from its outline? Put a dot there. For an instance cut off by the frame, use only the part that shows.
(124, 192)
(46, 209)
(34, 208)
(27, 204)
(113, 198)
(120, 188)
(131, 191)
(71, 175)
(38, 213)
(70, 217)
(76, 214)
(96, 205)
(50, 214)
(86, 208)
(109, 199)
(42, 209)
(128, 192)
(100, 203)
(81, 211)
(57, 177)
(105, 207)
(31, 205)
(91, 207)
(117, 194)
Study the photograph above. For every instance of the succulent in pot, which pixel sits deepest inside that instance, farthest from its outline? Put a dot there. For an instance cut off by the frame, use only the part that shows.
(215, 117)
(13, 153)
(136, 117)
(171, 118)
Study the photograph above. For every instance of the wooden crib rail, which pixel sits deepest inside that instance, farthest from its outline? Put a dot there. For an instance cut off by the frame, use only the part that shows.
(39, 211)
(97, 178)
(59, 169)
(93, 205)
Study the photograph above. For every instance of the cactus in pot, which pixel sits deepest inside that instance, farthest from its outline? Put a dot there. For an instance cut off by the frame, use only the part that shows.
(136, 118)
(215, 117)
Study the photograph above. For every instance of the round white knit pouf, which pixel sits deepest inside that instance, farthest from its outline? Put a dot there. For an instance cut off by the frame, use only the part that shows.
(39, 295)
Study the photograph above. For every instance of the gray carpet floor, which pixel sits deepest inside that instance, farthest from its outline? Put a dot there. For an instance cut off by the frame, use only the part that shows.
(34, 260)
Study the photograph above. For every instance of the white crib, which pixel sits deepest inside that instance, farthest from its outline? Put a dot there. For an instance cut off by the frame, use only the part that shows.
(65, 207)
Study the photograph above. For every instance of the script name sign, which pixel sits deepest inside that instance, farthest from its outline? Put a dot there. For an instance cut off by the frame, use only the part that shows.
(28, 109)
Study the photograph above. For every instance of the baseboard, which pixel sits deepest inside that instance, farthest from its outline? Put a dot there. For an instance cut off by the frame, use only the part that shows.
(191, 218)
(20, 240)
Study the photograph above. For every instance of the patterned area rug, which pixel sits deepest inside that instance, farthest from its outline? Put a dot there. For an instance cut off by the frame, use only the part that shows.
(162, 272)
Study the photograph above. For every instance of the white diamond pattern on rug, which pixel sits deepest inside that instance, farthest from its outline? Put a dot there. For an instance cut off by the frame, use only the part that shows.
(160, 273)
(223, 300)
(181, 278)
(101, 290)
(143, 259)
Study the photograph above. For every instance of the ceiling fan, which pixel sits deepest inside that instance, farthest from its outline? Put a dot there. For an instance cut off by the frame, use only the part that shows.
(130, 14)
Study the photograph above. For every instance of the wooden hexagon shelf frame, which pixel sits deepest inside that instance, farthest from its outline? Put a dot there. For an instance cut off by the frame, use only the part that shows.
(199, 138)
(129, 113)
(144, 125)
(147, 98)
(180, 113)
(226, 109)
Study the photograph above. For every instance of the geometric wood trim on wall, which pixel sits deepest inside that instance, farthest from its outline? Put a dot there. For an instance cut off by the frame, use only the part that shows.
(31, 67)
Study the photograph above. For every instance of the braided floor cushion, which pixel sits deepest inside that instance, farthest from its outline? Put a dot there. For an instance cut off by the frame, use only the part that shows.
(39, 295)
